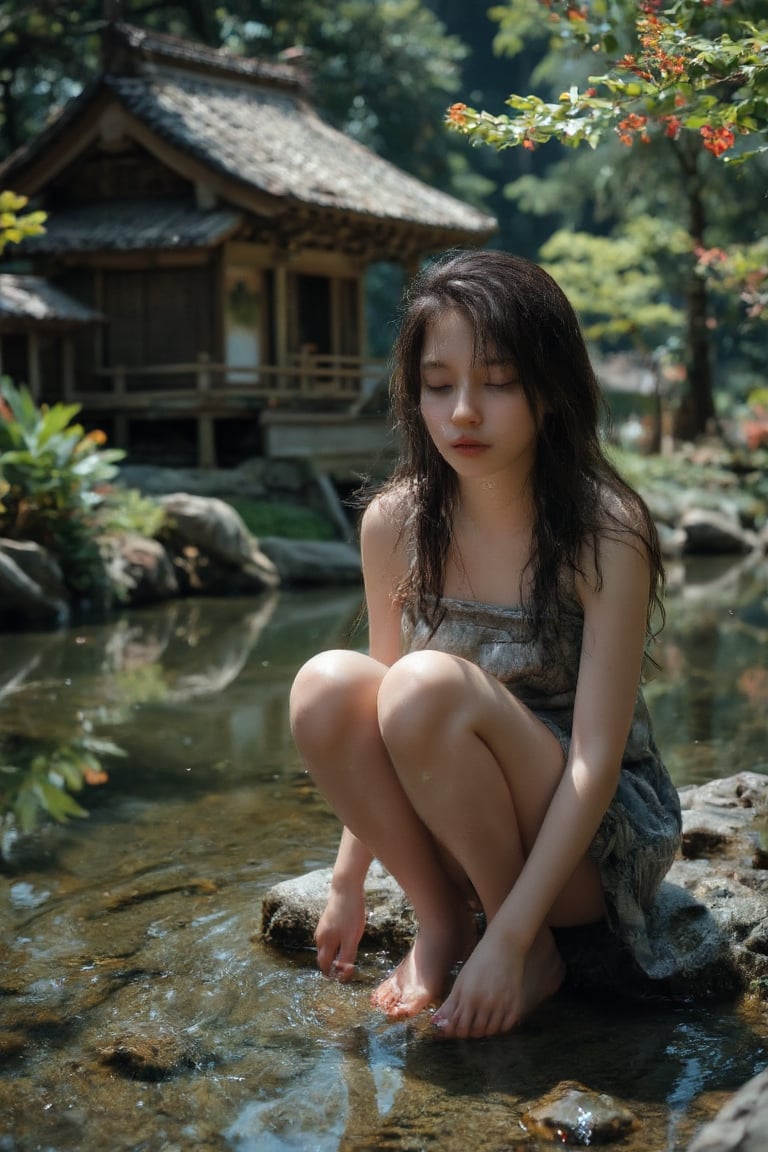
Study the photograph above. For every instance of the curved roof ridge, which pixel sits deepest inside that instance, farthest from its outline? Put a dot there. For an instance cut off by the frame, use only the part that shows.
(127, 44)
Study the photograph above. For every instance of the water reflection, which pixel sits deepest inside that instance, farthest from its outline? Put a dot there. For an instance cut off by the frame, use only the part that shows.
(710, 701)
(200, 687)
(132, 962)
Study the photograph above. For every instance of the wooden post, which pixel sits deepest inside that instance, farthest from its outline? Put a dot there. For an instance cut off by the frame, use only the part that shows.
(281, 323)
(120, 426)
(68, 368)
(337, 336)
(33, 365)
(206, 440)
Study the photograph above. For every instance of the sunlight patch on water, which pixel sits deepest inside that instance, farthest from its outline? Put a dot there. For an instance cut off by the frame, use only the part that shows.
(311, 1113)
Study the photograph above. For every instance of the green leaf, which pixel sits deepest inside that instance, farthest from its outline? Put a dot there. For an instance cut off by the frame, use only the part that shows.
(56, 802)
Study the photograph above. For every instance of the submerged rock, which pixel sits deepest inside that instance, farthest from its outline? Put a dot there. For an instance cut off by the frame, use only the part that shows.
(151, 1056)
(572, 1114)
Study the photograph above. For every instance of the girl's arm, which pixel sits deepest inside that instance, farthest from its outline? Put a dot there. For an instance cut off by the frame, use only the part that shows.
(492, 983)
(609, 675)
(343, 920)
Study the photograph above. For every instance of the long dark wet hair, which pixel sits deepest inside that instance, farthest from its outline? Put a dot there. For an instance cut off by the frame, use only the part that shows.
(519, 314)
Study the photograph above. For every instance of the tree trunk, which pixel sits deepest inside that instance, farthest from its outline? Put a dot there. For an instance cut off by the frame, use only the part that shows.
(697, 409)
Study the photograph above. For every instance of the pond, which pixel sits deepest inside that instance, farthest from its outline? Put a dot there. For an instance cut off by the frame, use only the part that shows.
(139, 1008)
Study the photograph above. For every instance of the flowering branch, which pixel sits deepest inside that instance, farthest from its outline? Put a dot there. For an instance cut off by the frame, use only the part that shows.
(676, 81)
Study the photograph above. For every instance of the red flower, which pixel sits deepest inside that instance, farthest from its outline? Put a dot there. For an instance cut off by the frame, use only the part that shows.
(717, 140)
(457, 114)
(673, 126)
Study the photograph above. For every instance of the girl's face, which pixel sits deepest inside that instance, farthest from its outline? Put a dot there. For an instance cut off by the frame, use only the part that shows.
(475, 411)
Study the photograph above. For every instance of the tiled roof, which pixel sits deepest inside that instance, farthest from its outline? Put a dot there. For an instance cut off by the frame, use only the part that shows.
(276, 143)
(145, 44)
(249, 122)
(130, 225)
(30, 300)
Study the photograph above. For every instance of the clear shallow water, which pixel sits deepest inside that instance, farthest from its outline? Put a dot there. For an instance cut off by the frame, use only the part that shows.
(138, 1007)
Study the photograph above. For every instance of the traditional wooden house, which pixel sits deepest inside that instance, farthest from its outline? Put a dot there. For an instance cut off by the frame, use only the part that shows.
(217, 232)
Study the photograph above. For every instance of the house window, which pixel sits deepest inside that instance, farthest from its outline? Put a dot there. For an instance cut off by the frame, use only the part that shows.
(312, 328)
(348, 317)
(244, 317)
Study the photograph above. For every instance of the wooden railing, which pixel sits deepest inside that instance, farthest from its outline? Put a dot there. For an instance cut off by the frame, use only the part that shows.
(205, 384)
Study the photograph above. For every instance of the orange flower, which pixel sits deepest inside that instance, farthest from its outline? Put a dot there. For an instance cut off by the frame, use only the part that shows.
(457, 114)
(96, 436)
(633, 123)
(673, 126)
(95, 776)
(717, 140)
(528, 144)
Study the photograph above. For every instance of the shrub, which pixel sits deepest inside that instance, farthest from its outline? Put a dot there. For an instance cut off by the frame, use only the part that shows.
(51, 472)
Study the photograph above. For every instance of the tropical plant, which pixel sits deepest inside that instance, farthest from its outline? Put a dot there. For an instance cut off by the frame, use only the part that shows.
(38, 777)
(50, 474)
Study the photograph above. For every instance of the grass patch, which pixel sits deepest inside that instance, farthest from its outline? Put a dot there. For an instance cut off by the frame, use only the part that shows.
(265, 518)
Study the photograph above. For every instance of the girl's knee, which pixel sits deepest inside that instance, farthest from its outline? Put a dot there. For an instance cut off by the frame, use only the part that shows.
(419, 696)
(327, 691)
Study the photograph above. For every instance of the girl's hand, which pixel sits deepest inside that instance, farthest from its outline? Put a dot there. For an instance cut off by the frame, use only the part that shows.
(339, 930)
(488, 995)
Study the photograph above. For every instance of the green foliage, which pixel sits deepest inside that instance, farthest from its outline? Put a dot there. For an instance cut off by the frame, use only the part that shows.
(124, 510)
(50, 474)
(683, 90)
(684, 74)
(726, 477)
(615, 284)
(16, 225)
(279, 519)
(38, 777)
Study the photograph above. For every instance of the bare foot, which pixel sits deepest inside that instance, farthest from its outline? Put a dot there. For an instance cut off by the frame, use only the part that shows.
(499, 986)
(420, 979)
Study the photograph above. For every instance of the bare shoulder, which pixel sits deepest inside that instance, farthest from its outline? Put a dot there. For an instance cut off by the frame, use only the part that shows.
(382, 531)
(620, 553)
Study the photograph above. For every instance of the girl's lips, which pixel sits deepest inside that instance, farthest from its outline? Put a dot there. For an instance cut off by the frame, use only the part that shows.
(469, 447)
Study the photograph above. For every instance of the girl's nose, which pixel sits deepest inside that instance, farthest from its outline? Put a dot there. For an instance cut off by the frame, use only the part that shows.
(465, 410)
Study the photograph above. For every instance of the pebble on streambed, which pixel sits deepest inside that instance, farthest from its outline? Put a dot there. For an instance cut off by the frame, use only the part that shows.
(572, 1114)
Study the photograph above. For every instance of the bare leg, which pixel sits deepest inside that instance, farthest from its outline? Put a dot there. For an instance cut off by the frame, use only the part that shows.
(335, 724)
(480, 771)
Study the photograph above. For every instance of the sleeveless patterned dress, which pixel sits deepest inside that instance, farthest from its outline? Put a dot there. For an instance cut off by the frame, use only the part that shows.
(639, 834)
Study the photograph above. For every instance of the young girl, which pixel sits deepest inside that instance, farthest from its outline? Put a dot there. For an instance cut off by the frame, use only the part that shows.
(493, 751)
